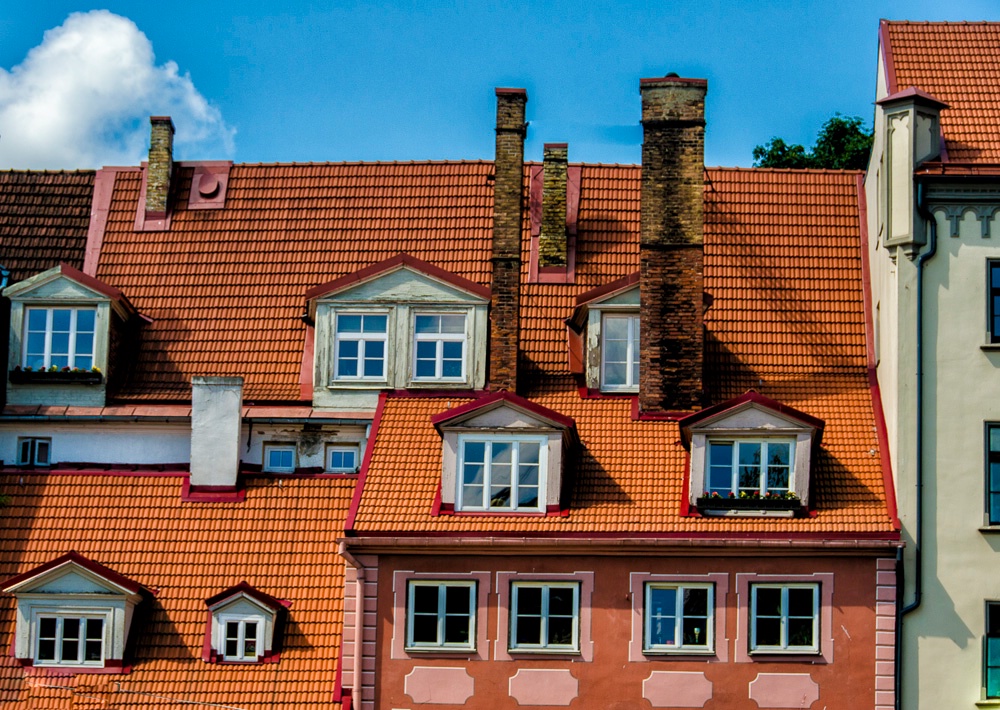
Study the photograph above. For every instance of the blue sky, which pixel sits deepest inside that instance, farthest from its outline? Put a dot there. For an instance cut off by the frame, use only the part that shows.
(390, 80)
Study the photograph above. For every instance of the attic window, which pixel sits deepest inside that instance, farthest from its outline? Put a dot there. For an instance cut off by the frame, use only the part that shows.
(502, 472)
(604, 337)
(244, 626)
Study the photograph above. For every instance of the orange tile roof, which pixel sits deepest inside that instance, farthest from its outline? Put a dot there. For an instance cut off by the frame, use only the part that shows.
(281, 540)
(956, 62)
(43, 219)
(783, 264)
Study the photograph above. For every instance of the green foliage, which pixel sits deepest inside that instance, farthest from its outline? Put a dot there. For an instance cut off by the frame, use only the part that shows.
(843, 143)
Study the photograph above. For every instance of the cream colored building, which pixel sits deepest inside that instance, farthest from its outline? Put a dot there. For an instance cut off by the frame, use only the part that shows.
(933, 237)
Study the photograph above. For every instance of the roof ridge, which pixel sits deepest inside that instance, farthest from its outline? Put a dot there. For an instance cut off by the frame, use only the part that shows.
(947, 23)
(345, 163)
(31, 171)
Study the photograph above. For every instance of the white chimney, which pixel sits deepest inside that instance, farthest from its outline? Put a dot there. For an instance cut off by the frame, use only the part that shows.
(216, 409)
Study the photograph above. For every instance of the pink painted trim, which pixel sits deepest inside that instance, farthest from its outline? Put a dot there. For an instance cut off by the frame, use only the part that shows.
(104, 188)
(151, 221)
(743, 582)
(881, 429)
(306, 372)
(400, 260)
(212, 494)
(499, 398)
(503, 586)
(637, 589)
(754, 397)
(91, 282)
(686, 509)
(397, 647)
(338, 681)
(245, 589)
(890, 66)
(359, 488)
(553, 274)
(594, 294)
(436, 506)
(76, 558)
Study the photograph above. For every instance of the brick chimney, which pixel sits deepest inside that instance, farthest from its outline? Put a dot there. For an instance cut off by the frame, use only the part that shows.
(507, 213)
(552, 242)
(160, 167)
(216, 419)
(671, 251)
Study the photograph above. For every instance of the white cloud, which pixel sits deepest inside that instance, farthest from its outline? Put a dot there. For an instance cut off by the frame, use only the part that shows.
(83, 97)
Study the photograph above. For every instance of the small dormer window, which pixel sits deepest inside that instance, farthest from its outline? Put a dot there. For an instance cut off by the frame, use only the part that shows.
(244, 626)
(241, 637)
(279, 458)
(360, 346)
(604, 337)
(342, 458)
(502, 472)
(439, 343)
(748, 467)
(70, 640)
(59, 337)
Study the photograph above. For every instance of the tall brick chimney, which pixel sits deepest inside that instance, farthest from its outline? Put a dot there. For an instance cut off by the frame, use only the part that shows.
(671, 251)
(160, 167)
(552, 241)
(507, 213)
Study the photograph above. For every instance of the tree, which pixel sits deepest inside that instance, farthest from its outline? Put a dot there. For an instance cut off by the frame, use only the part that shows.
(842, 144)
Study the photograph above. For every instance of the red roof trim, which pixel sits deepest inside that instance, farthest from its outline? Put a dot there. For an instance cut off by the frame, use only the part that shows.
(89, 565)
(890, 67)
(503, 397)
(394, 262)
(104, 188)
(621, 284)
(726, 536)
(252, 592)
(756, 398)
(91, 282)
(881, 430)
(359, 487)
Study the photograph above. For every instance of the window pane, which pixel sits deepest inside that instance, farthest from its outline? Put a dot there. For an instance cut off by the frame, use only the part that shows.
(47, 649)
(800, 632)
(560, 631)
(92, 650)
(456, 600)
(84, 343)
(456, 629)
(71, 628)
(473, 473)
(529, 600)
(475, 451)
(70, 649)
(95, 629)
(85, 320)
(37, 319)
(616, 351)
(453, 324)
(61, 319)
(60, 344)
(425, 629)
(614, 373)
(800, 602)
(995, 438)
(501, 452)
(696, 602)
(768, 601)
(695, 632)
(427, 324)
(425, 599)
(250, 639)
(529, 630)
(348, 324)
(47, 628)
(768, 632)
(374, 324)
(561, 601)
(232, 647)
(616, 328)
(472, 496)
(41, 452)
(527, 497)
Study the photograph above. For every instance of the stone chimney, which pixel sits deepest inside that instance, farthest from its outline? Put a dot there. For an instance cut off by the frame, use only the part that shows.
(216, 418)
(160, 167)
(671, 251)
(508, 189)
(552, 242)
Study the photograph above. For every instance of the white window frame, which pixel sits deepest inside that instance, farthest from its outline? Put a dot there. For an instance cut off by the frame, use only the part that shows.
(678, 614)
(341, 448)
(440, 339)
(34, 444)
(785, 646)
(440, 643)
(73, 331)
(632, 352)
(516, 440)
(222, 624)
(734, 466)
(60, 616)
(362, 338)
(275, 447)
(517, 646)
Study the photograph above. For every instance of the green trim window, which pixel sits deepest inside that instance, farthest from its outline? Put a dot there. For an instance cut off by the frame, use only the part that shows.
(994, 307)
(441, 615)
(991, 651)
(678, 617)
(784, 618)
(545, 616)
(993, 473)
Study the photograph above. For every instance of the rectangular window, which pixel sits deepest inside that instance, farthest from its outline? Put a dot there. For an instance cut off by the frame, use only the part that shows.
(991, 650)
(502, 473)
(784, 618)
(279, 458)
(993, 474)
(678, 617)
(441, 615)
(360, 346)
(342, 458)
(33, 451)
(70, 640)
(242, 639)
(545, 616)
(59, 337)
(762, 467)
(439, 346)
(994, 287)
(620, 352)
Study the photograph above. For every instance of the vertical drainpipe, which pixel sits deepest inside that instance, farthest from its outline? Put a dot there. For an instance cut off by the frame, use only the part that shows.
(918, 533)
(359, 620)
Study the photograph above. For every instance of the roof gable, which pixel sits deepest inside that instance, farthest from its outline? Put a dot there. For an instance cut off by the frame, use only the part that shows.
(400, 278)
(65, 282)
(751, 412)
(502, 410)
(244, 591)
(73, 573)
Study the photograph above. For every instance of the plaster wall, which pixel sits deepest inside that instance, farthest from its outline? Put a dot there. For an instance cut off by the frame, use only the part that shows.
(116, 443)
(608, 675)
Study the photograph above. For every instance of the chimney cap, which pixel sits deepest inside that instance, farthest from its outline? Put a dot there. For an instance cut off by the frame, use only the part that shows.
(502, 90)
(672, 79)
(555, 146)
(162, 119)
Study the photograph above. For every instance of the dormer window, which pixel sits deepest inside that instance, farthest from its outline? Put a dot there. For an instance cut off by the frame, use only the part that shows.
(604, 337)
(73, 613)
(59, 337)
(750, 456)
(398, 324)
(244, 626)
(503, 454)
(279, 458)
(342, 458)
(620, 353)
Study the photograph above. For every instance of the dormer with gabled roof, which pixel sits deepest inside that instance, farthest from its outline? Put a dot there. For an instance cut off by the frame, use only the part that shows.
(62, 327)
(399, 324)
(74, 613)
(244, 626)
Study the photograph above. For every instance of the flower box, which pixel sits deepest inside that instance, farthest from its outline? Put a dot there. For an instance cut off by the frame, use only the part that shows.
(724, 504)
(60, 377)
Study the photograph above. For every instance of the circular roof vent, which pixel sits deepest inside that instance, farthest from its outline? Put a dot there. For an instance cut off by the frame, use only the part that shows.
(208, 186)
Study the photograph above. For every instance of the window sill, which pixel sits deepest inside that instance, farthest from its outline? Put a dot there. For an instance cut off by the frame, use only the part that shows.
(988, 530)
(990, 347)
(567, 652)
(20, 377)
(784, 656)
(441, 651)
(679, 652)
(988, 703)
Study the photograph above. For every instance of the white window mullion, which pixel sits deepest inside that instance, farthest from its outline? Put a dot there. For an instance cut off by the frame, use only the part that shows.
(48, 337)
